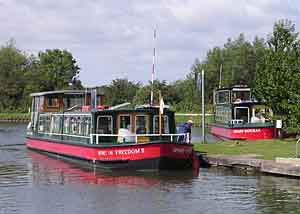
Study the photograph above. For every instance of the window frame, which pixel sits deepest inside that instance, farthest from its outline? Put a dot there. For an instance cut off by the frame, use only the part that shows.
(242, 107)
(146, 125)
(119, 121)
(164, 128)
(111, 122)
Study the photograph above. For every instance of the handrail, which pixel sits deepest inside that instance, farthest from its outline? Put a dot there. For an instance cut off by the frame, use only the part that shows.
(91, 137)
(296, 156)
(185, 136)
(59, 134)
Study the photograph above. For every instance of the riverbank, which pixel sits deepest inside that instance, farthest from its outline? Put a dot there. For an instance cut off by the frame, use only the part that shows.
(184, 117)
(14, 117)
(266, 149)
(271, 157)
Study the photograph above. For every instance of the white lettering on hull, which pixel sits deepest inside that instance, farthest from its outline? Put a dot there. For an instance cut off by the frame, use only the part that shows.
(238, 131)
(182, 150)
(122, 152)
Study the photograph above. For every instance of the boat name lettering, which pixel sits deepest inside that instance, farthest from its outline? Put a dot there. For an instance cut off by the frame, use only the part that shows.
(236, 131)
(122, 152)
(182, 150)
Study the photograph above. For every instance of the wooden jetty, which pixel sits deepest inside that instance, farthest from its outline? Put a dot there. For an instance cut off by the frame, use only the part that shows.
(280, 166)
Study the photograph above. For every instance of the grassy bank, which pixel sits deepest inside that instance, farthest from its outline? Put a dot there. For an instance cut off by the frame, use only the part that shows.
(196, 119)
(14, 116)
(269, 149)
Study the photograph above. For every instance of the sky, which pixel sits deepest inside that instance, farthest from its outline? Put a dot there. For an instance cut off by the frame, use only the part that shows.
(114, 38)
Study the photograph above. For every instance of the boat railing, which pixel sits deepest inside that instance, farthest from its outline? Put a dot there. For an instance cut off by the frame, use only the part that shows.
(139, 138)
(118, 138)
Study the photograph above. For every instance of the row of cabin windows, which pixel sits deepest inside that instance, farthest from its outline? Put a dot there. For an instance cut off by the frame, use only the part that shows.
(81, 125)
(59, 124)
(257, 114)
(53, 102)
(68, 101)
(223, 114)
(223, 97)
(105, 124)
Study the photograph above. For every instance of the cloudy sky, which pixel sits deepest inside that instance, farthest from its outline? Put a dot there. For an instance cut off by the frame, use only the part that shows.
(114, 38)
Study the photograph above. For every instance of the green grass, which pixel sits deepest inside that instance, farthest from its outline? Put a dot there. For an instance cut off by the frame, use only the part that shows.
(14, 116)
(196, 119)
(268, 149)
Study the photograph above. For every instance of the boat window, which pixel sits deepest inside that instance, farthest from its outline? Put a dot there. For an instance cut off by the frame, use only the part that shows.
(165, 124)
(241, 113)
(77, 125)
(125, 122)
(141, 124)
(104, 125)
(222, 97)
(74, 125)
(239, 96)
(86, 126)
(70, 102)
(223, 114)
(53, 102)
(66, 125)
(55, 124)
(41, 104)
(44, 123)
(38, 103)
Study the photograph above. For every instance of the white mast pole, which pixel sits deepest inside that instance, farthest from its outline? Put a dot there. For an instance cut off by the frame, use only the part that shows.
(153, 68)
(203, 108)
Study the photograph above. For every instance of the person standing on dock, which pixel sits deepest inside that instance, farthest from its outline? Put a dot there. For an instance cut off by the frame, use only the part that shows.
(186, 128)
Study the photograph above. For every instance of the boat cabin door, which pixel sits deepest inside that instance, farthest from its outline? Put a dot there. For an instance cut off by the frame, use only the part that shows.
(242, 113)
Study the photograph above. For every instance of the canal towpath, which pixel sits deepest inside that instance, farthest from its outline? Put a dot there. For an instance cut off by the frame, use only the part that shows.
(251, 162)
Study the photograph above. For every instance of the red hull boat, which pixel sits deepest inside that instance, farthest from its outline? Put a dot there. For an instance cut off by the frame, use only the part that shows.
(114, 137)
(239, 116)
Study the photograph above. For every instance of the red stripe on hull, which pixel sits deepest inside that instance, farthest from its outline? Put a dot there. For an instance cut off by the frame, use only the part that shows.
(123, 152)
(244, 133)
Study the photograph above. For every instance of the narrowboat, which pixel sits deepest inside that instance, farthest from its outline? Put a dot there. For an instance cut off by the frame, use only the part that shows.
(77, 124)
(239, 116)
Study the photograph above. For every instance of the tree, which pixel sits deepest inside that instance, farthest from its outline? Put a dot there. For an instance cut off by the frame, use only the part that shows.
(278, 75)
(168, 92)
(13, 65)
(56, 69)
(120, 91)
(235, 63)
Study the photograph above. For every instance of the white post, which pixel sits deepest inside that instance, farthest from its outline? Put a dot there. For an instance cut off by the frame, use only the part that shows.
(220, 76)
(153, 70)
(203, 109)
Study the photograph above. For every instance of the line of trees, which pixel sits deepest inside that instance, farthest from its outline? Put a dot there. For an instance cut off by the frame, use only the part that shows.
(22, 74)
(271, 66)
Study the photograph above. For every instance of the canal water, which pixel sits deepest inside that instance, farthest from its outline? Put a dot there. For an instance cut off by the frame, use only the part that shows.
(32, 183)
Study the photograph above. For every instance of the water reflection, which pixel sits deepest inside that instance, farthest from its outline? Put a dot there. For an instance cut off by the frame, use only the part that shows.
(31, 183)
(276, 194)
(49, 170)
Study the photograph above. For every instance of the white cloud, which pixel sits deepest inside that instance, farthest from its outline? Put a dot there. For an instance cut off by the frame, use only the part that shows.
(112, 39)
